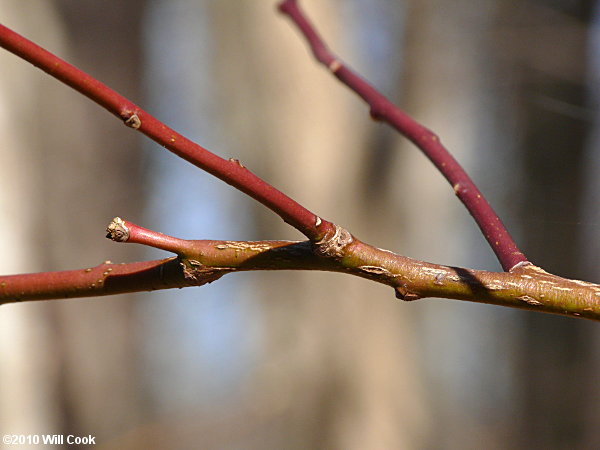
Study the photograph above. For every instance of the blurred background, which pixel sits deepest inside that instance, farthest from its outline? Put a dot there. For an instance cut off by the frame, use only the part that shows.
(302, 360)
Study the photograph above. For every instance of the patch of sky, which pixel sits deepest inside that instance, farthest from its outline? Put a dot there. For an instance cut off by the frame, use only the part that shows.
(197, 333)
(375, 30)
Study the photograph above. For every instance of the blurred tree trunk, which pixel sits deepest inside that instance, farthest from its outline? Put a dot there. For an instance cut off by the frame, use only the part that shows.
(450, 85)
(337, 369)
(589, 239)
(503, 85)
(552, 104)
(29, 399)
(97, 339)
(77, 167)
(343, 365)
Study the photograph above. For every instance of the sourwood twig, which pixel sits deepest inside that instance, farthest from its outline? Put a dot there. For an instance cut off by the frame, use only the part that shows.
(329, 248)
(384, 110)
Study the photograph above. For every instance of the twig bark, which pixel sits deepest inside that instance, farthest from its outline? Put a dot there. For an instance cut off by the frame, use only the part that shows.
(230, 171)
(330, 248)
(203, 261)
(383, 109)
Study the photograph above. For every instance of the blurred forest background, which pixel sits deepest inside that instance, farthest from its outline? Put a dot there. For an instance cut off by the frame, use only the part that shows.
(302, 360)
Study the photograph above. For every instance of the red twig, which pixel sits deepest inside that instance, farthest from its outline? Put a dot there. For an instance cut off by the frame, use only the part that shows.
(200, 262)
(104, 279)
(230, 171)
(204, 261)
(120, 230)
(382, 109)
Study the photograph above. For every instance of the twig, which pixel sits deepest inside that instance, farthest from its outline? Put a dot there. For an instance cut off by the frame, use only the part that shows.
(203, 261)
(382, 109)
(120, 230)
(331, 248)
(105, 279)
(230, 171)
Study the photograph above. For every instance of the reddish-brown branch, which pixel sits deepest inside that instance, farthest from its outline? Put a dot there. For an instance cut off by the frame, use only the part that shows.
(230, 171)
(104, 279)
(382, 109)
(120, 230)
(525, 287)
(330, 248)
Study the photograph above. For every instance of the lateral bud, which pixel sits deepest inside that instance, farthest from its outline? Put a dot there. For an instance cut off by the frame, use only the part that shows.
(133, 121)
(403, 293)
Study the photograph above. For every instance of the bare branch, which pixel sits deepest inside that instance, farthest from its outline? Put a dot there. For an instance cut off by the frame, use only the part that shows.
(120, 230)
(382, 109)
(525, 287)
(230, 171)
(105, 279)
(330, 248)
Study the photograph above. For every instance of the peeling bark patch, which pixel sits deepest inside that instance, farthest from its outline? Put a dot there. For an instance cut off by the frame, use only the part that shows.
(333, 246)
(197, 274)
(530, 300)
(439, 279)
(440, 276)
(494, 287)
(521, 265)
(532, 267)
(375, 270)
(244, 246)
(435, 272)
(584, 283)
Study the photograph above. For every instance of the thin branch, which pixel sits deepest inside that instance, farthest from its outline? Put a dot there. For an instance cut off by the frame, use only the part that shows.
(120, 230)
(105, 279)
(230, 171)
(331, 248)
(382, 109)
(203, 261)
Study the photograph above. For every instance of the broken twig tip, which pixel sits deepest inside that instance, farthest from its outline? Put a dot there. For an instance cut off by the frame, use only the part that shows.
(117, 230)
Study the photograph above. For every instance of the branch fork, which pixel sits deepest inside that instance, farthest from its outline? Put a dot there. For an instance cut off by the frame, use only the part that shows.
(333, 245)
(329, 247)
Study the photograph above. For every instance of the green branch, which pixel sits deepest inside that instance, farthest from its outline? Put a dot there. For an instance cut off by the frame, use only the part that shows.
(204, 261)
